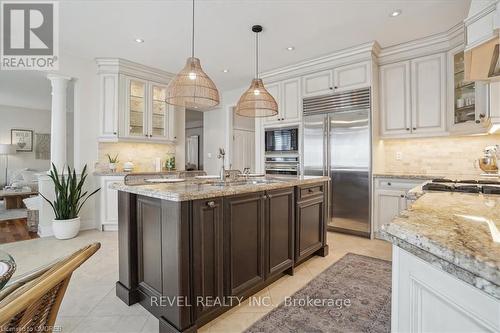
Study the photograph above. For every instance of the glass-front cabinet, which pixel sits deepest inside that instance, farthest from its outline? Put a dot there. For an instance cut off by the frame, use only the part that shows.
(146, 112)
(137, 107)
(467, 99)
(159, 120)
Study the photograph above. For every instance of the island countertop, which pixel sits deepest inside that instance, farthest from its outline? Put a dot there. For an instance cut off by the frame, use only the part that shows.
(202, 189)
(459, 230)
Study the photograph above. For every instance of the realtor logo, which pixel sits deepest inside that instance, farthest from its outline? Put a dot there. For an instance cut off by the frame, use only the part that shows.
(29, 35)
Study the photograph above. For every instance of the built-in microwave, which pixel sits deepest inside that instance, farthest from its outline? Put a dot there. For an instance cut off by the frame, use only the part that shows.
(282, 140)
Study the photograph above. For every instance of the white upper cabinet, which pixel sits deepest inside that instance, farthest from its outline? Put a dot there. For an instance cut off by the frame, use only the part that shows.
(132, 104)
(348, 77)
(428, 87)
(413, 97)
(467, 101)
(108, 109)
(274, 90)
(291, 101)
(351, 77)
(316, 84)
(287, 95)
(395, 104)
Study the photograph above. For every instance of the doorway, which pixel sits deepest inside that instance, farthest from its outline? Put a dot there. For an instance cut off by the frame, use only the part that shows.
(194, 140)
(243, 145)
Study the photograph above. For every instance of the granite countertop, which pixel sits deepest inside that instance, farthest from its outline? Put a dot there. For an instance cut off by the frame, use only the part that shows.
(455, 231)
(434, 176)
(203, 189)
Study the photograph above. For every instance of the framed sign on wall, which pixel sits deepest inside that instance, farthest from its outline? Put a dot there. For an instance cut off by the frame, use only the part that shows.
(22, 139)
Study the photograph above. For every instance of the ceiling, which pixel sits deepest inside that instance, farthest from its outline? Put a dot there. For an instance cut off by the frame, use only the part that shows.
(108, 28)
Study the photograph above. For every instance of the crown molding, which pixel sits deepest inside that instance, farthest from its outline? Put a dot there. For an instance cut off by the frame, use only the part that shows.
(127, 67)
(436, 43)
(354, 54)
(480, 14)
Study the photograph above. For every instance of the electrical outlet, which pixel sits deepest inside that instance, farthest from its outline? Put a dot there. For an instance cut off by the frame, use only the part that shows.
(399, 156)
(209, 155)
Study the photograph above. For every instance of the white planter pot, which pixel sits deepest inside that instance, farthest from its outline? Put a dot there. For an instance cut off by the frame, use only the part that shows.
(112, 167)
(66, 229)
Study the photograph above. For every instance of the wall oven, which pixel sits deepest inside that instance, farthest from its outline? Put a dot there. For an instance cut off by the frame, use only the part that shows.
(282, 165)
(282, 140)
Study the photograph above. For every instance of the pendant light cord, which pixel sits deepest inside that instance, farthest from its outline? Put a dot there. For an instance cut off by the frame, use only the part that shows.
(192, 36)
(256, 55)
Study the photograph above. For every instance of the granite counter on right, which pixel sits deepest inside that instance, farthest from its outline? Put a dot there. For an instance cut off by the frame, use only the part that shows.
(446, 263)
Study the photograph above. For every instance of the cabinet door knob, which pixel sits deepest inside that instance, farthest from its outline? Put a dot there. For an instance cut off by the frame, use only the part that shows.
(407, 128)
(414, 128)
(331, 88)
(335, 87)
(150, 135)
(211, 204)
(146, 135)
(114, 133)
(478, 121)
(482, 115)
(402, 195)
(310, 190)
(389, 184)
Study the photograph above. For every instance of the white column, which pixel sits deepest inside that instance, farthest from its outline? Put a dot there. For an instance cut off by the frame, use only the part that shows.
(57, 150)
(58, 120)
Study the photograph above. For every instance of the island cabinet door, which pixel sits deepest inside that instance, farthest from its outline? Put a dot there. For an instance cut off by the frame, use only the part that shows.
(279, 224)
(244, 242)
(207, 256)
(310, 224)
(149, 218)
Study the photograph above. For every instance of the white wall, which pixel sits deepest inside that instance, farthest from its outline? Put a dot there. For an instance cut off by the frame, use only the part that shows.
(22, 118)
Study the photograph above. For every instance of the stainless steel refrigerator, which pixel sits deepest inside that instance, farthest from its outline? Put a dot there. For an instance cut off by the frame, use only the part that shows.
(337, 143)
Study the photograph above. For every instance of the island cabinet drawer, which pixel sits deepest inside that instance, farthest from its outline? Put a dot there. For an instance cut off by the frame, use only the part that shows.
(307, 191)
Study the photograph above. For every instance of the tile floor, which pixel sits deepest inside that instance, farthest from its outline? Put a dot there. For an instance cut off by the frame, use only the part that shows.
(90, 304)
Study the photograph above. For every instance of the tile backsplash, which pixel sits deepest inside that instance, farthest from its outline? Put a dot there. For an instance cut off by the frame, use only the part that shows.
(143, 155)
(434, 156)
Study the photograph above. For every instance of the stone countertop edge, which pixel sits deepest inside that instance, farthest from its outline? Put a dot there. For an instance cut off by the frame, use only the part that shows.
(107, 173)
(207, 191)
(459, 272)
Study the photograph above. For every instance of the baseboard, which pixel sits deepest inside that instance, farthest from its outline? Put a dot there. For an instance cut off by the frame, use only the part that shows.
(109, 227)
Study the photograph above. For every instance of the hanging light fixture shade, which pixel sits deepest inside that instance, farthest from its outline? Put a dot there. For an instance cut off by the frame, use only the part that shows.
(257, 102)
(191, 87)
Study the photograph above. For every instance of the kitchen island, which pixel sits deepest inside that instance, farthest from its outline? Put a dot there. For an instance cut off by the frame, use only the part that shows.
(190, 251)
(446, 263)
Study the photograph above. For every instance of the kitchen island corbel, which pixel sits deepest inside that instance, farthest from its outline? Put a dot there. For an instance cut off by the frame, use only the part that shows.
(190, 251)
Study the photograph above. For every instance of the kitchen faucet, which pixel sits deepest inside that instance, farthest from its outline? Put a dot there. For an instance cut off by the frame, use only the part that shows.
(221, 155)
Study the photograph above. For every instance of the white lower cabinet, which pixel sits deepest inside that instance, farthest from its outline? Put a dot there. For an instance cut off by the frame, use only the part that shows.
(390, 199)
(107, 199)
(427, 299)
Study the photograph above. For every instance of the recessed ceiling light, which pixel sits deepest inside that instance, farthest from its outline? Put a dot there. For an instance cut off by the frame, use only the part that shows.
(225, 70)
(396, 13)
(290, 48)
(139, 40)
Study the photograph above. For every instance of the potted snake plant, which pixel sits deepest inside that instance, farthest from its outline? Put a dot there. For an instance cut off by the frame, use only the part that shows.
(70, 197)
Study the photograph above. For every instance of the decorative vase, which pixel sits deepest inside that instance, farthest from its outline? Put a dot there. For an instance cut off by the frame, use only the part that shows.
(112, 167)
(66, 229)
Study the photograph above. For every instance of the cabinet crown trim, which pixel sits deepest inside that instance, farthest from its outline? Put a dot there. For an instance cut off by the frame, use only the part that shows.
(338, 58)
(127, 67)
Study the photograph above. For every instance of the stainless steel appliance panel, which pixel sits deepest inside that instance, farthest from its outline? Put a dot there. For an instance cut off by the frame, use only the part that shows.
(349, 156)
(314, 156)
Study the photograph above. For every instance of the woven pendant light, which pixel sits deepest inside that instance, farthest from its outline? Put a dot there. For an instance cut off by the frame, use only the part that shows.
(191, 87)
(257, 102)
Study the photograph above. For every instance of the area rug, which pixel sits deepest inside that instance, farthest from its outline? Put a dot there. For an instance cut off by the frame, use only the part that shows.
(352, 295)
(11, 214)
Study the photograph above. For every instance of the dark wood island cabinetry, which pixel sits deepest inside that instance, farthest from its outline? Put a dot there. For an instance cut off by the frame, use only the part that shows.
(188, 261)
